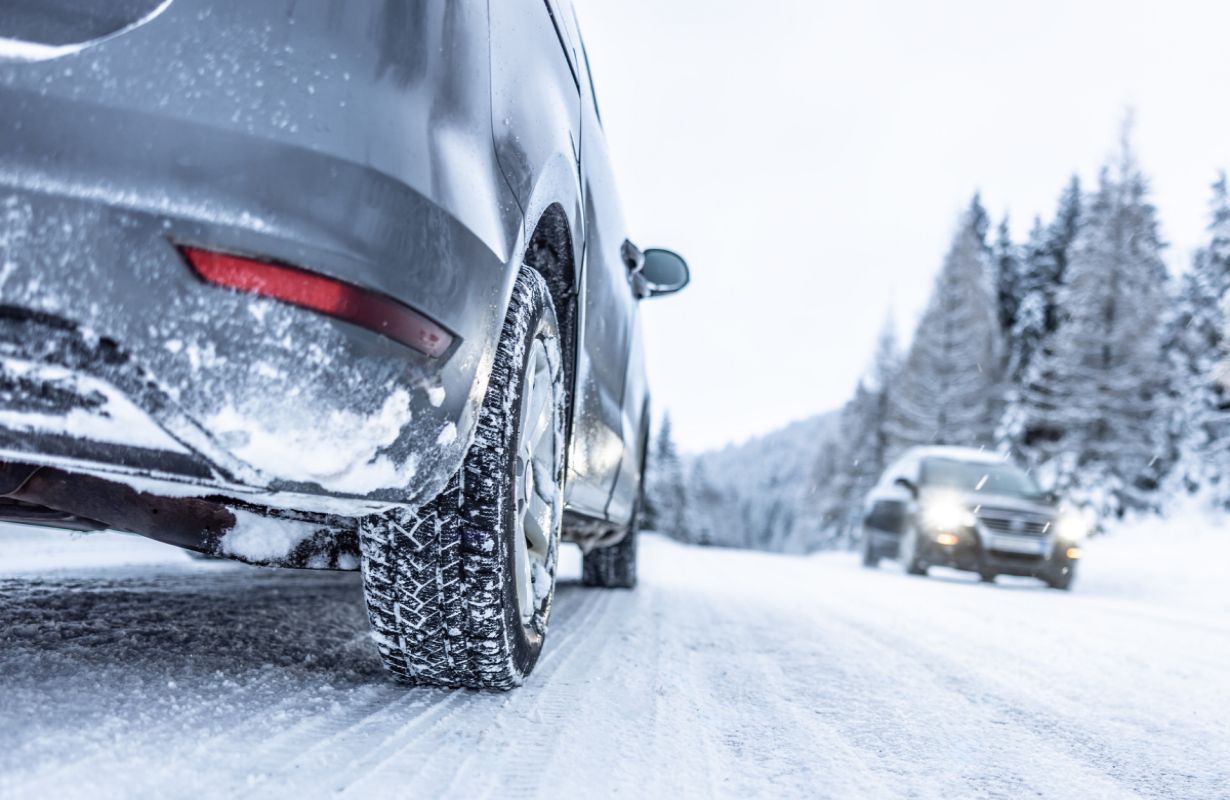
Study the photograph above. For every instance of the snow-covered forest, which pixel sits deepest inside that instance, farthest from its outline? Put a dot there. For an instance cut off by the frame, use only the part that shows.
(1074, 351)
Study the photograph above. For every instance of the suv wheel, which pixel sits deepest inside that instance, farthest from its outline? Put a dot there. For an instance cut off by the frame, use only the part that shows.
(871, 558)
(1062, 579)
(909, 553)
(612, 567)
(459, 591)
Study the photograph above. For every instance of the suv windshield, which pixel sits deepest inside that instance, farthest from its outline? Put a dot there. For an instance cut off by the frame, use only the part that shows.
(1002, 479)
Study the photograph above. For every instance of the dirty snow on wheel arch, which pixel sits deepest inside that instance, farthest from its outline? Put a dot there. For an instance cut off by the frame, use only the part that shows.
(130, 670)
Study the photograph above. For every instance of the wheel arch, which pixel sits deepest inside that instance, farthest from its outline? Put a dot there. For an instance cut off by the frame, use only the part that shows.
(551, 252)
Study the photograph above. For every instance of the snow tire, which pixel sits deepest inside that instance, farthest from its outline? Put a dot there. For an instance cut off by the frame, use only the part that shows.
(909, 555)
(612, 567)
(1062, 580)
(871, 558)
(439, 581)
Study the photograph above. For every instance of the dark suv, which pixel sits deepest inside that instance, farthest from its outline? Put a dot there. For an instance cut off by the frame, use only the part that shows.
(970, 510)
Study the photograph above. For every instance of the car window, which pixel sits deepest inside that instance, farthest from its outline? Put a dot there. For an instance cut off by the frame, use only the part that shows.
(969, 476)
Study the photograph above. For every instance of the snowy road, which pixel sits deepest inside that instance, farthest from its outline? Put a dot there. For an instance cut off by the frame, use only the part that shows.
(131, 671)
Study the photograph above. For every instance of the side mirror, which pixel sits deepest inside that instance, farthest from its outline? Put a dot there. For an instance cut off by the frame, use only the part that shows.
(663, 272)
(909, 485)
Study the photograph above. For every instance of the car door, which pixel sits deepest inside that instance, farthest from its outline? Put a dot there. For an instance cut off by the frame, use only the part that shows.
(606, 416)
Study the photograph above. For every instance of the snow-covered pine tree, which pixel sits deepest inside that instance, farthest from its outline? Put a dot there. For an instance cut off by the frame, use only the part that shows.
(1006, 268)
(947, 391)
(1061, 238)
(978, 219)
(1042, 274)
(1042, 267)
(706, 512)
(1198, 345)
(666, 491)
(1037, 285)
(846, 471)
(760, 493)
(1096, 394)
(839, 471)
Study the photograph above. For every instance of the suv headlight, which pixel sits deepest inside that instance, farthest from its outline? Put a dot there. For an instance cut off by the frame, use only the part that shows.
(1071, 527)
(946, 514)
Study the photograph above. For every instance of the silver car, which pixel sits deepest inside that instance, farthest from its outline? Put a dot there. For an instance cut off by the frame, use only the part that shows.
(327, 284)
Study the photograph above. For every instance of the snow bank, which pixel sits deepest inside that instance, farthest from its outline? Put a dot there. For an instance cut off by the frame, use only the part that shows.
(1177, 561)
(27, 551)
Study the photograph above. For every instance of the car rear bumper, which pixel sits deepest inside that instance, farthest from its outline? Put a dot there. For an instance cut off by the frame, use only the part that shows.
(77, 402)
(236, 392)
(354, 146)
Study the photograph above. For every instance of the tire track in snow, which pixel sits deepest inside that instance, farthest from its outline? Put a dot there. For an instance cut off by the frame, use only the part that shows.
(771, 740)
(147, 606)
(405, 741)
(726, 674)
(356, 746)
(443, 767)
(1039, 732)
(935, 714)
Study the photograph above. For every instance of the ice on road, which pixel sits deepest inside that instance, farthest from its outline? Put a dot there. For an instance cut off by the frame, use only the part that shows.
(129, 670)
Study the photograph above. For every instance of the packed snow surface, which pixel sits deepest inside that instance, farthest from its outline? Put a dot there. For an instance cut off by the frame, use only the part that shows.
(130, 670)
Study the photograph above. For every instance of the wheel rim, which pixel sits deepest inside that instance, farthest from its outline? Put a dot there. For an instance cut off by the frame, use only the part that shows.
(537, 483)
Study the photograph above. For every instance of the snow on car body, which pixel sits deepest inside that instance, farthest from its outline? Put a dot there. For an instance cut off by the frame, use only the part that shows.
(257, 266)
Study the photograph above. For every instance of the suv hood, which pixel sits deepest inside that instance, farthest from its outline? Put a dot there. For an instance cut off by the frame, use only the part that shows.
(979, 501)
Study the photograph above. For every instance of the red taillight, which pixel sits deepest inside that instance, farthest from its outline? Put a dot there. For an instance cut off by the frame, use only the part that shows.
(378, 313)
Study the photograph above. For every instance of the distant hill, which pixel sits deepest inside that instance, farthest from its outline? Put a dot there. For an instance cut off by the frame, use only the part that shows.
(756, 494)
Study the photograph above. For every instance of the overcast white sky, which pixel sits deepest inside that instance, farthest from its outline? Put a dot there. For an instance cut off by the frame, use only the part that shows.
(810, 158)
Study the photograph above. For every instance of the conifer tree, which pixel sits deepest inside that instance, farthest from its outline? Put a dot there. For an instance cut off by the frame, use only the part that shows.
(710, 517)
(978, 219)
(1042, 274)
(849, 468)
(1095, 395)
(666, 495)
(1042, 268)
(1199, 347)
(1007, 279)
(948, 388)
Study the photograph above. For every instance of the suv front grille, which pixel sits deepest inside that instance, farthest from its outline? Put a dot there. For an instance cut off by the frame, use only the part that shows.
(1020, 523)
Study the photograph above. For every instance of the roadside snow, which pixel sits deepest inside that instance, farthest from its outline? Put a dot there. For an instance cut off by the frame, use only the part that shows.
(1180, 562)
(726, 674)
(27, 551)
